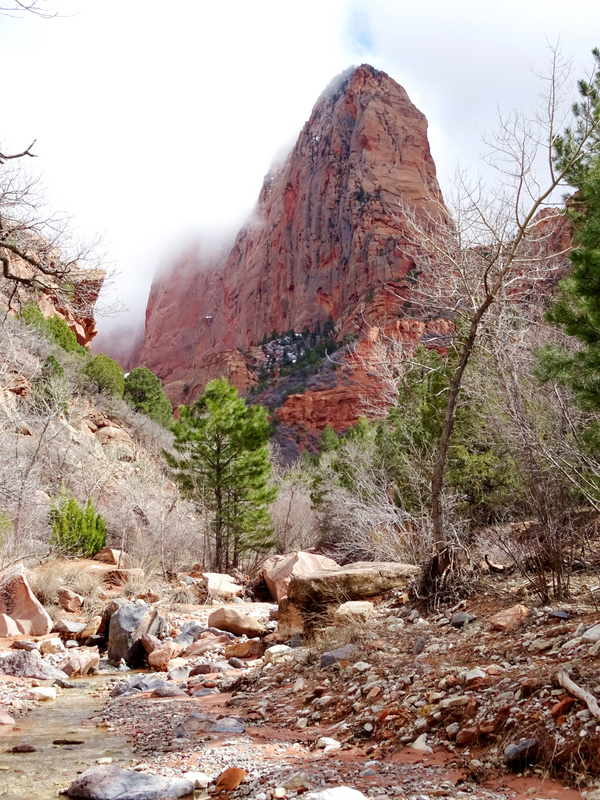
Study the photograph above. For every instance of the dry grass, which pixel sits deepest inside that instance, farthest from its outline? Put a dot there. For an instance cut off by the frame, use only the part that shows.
(46, 580)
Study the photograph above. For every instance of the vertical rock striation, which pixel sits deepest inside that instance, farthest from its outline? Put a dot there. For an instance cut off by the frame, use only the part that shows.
(324, 241)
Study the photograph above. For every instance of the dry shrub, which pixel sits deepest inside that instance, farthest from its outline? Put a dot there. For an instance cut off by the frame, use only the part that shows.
(185, 595)
(46, 580)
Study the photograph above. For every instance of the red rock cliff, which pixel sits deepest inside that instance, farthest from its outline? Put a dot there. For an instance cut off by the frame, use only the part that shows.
(323, 240)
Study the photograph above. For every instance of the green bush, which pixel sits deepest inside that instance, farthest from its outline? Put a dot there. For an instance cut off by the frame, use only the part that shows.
(144, 391)
(55, 328)
(76, 531)
(106, 374)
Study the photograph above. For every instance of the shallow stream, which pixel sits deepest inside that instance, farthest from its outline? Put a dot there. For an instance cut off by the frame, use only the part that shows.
(75, 717)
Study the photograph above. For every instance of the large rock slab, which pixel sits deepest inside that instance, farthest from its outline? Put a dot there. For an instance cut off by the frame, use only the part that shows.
(352, 582)
(278, 571)
(112, 783)
(233, 621)
(29, 664)
(127, 626)
(18, 603)
(220, 585)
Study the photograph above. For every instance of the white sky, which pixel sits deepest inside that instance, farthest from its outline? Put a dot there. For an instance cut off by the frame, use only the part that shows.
(156, 122)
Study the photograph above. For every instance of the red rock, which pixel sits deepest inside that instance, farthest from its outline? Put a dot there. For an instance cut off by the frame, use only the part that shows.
(5, 718)
(160, 657)
(70, 601)
(466, 736)
(509, 618)
(253, 648)
(229, 779)
(150, 643)
(324, 240)
(19, 605)
(233, 621)
(563, 707)
(81, 662)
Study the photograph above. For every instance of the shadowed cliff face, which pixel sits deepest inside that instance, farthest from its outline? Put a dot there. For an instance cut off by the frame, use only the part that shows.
(323, 240)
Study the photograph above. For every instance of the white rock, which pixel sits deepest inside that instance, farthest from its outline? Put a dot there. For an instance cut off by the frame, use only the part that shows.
(592, 635)
(302, 722)
(41, 693)
(54, 646)
(199, 779)
(328, 743)
(474, 674)
(339, 793)
(361, 666)
(357, 610)
(421, 745)
(276, 653)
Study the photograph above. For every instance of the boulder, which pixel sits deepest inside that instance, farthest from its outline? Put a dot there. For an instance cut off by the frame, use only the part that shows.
(83, 662)
(354, 611)
(67, 628)
(196, 723)
(107, 613)
(189, 633)
(253, 648)
(8, 627)
(228, 619)
(18, 603)
(279, 570)
(29, 664)
(509, 618)
(91, 628)
(159, 659)
(70, 601)
(309, 595)
(108, 782)
(115, 557)
(127, 626)
(117, 443)
(219, 585)
(53, 646)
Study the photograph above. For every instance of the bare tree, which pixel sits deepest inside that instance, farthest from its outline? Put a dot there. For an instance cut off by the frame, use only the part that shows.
(37, 7)
(495, 248)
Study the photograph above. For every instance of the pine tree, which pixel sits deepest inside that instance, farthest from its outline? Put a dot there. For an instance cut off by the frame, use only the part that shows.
(143, 389)
(578, 307)
(76, 531)
(223, 447)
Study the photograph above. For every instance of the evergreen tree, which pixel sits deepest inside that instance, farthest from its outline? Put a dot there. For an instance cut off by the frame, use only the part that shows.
(223, 461)
(143, 389)
(76, 531)
(578, 307)
(106, 374)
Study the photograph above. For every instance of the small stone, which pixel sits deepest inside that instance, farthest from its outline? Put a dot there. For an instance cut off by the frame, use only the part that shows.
(419, 645)
(509, 618)
(24, 747)
(299, 780)
(328, 744)
(452, 730)
(104, 760)
(522, 753)
(41, 693)
(302, 722)
(462, 618)
(421, 745)
(466, 736)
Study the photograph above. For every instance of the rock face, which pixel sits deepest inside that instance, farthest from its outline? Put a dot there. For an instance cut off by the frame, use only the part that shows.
(324, 242)
(20, 611)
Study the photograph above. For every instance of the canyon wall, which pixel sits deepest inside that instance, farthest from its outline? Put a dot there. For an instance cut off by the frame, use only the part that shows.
(325, 242)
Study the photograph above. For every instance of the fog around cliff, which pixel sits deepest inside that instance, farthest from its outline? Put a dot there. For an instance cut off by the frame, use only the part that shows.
(156, 124)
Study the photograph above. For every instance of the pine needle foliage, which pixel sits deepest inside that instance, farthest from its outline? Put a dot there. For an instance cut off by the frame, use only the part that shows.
(223, 463)
(76, 531)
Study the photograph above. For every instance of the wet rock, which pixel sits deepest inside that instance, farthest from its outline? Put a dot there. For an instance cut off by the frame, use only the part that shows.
(71, 684)
(510, 618)
(24, 747)
(127, 626)
(29, 664)
(196, 723)
(337, 793)
(462, 618)
(520, 754)
(111, 783)
(228, 619)
(345, 653)
(84, 662)
(5, 719)
(138, 683)
(41, 693)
